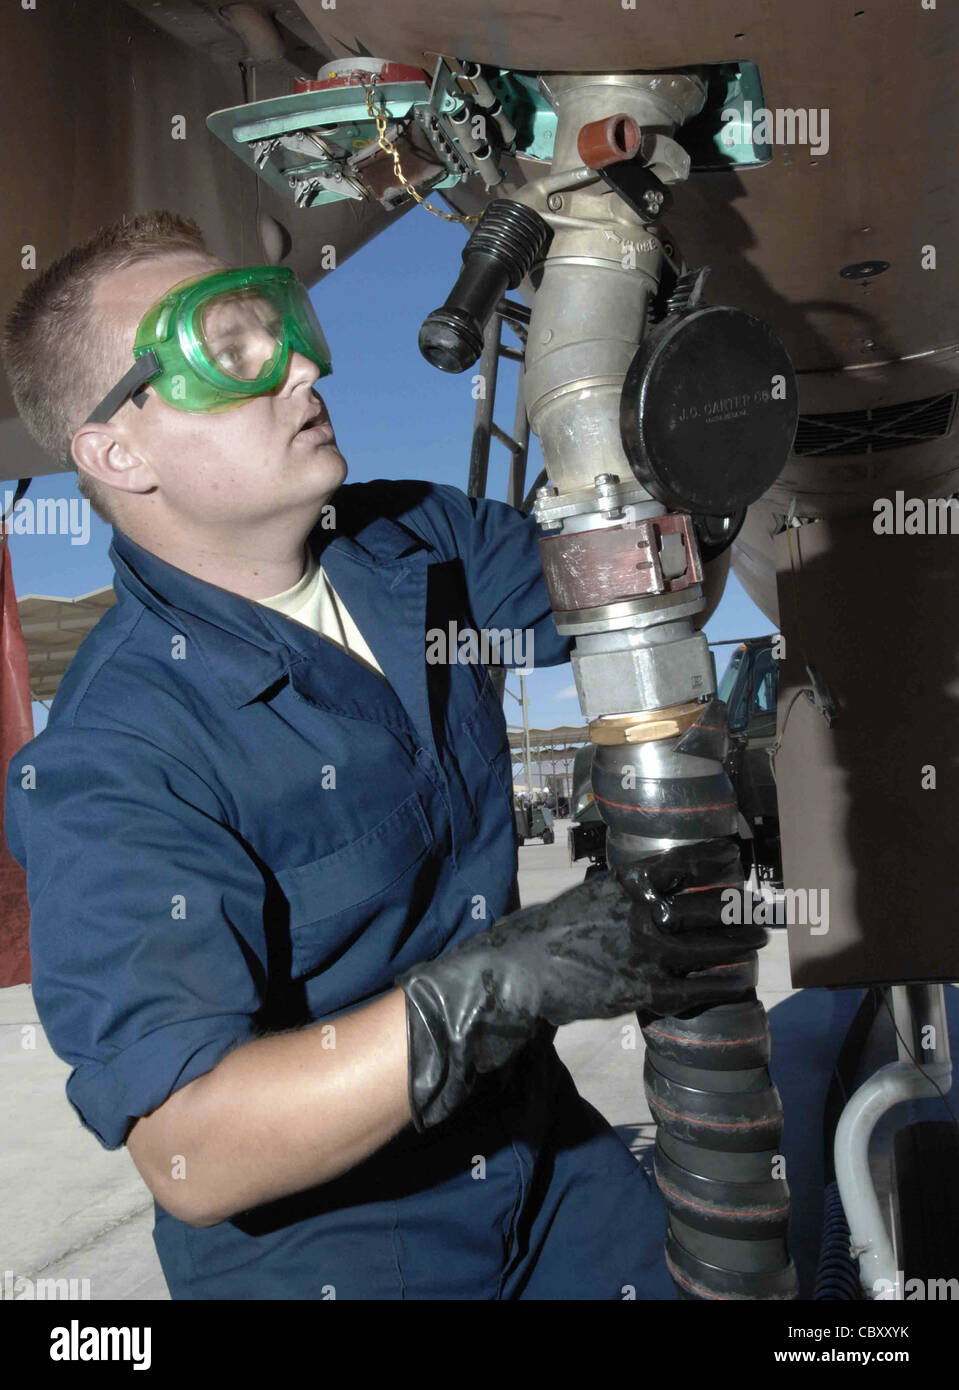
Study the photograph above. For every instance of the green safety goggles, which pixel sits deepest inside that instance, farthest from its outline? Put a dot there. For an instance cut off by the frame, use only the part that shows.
(217, 340)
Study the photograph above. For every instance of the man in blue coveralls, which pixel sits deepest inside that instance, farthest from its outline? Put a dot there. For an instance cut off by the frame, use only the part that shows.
(269, 844)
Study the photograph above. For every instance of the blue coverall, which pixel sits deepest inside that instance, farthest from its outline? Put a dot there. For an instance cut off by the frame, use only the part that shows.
(232, 826)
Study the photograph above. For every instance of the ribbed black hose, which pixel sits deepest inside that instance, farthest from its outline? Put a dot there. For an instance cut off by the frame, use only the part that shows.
(718, 1155)
(837, 1276)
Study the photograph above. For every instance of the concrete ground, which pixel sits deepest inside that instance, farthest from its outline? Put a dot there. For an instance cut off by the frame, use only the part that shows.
(70, 1209)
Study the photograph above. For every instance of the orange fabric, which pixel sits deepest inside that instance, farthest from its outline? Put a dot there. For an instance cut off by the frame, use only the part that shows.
(16, 729)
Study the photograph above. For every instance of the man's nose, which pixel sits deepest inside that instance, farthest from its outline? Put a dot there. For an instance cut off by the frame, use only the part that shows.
(301, 371)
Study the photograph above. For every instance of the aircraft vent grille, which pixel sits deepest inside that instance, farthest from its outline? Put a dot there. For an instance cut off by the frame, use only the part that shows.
(876, 429)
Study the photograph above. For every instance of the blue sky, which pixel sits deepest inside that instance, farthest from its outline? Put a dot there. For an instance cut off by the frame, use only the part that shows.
(395, 417)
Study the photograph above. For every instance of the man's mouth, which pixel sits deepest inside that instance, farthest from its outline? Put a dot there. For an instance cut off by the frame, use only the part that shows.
(316, 426)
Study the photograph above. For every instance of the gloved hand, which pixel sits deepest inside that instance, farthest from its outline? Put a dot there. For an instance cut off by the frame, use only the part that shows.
(613, 944)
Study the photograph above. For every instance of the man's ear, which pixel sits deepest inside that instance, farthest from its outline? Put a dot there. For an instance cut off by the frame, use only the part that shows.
(97, 450)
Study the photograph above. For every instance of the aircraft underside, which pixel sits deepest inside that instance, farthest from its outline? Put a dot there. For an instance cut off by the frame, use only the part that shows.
(725, 237)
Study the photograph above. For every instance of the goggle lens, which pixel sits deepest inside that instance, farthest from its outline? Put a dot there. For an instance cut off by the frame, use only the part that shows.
(242, 334)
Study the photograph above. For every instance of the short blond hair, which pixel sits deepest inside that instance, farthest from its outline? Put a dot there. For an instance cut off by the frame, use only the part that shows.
(60, 357)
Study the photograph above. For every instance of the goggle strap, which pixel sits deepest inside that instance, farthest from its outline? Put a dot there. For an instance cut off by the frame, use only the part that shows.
(133, 384)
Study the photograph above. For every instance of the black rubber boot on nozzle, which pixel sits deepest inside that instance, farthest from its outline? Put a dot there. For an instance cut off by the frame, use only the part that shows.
(499, 254)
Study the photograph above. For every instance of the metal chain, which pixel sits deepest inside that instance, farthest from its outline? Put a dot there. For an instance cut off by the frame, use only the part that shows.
(379, 117)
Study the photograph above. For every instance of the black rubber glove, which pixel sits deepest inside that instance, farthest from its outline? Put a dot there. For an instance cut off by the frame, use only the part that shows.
(604, 948)
(684, 887)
